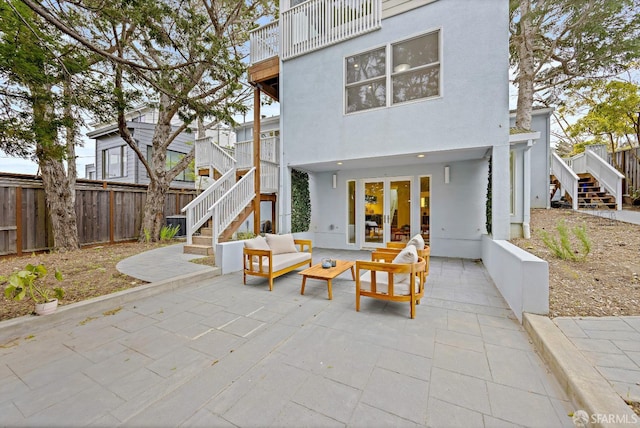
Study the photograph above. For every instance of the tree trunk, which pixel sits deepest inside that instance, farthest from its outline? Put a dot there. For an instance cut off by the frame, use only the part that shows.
(526, 67)
(60, 203)
(153, 215)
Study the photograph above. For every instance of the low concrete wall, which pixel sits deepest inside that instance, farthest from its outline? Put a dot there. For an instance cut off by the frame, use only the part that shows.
(229, 256)
(521, 277)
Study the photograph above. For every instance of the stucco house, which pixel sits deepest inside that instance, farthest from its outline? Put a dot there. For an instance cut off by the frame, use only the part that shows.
(394, 109)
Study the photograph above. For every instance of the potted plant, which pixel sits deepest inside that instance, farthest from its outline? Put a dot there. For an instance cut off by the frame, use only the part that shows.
(29, 282)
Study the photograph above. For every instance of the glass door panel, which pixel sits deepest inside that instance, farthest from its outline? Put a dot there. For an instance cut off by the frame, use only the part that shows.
(374, 213)
(400, 210)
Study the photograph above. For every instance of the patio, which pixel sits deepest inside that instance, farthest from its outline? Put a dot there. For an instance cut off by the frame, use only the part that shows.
(218, 353)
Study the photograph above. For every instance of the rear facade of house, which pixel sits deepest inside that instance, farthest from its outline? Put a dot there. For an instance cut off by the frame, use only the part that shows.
(397, 125)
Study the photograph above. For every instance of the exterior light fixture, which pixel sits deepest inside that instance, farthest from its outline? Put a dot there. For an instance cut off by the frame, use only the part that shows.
(447, 173)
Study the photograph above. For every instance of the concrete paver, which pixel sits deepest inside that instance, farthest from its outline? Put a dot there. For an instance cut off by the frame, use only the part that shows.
(218, 353)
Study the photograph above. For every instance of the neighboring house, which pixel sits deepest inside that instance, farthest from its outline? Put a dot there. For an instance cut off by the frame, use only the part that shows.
(90, 171)
(530, 163)
(116, 161)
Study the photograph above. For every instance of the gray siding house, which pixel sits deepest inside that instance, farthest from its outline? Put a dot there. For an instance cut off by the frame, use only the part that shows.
(116, 161)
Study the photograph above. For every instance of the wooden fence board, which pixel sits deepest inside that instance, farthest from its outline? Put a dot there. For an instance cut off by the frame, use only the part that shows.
(105, 212)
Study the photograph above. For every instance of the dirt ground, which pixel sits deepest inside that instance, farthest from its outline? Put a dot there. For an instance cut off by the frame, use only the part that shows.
(86, 273)
(606, 282)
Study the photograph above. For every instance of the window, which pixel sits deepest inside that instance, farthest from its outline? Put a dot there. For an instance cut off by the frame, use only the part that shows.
(416, 68)
(172, 159)
(114, 162)
(366, 80)
(414, 74)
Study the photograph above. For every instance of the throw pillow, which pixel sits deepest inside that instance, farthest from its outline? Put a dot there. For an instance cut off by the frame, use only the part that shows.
(417, 241)
(281, 244)
(257, 243)
(407, 255)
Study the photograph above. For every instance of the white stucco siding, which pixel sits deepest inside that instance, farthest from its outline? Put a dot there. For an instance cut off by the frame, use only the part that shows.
(470, 112)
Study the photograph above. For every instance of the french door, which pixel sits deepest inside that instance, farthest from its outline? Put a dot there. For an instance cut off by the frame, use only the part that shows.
(387, 211)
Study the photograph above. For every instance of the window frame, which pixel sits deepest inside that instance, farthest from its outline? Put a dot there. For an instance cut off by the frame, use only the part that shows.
(182, 176)
(390, 74)
(122, 163)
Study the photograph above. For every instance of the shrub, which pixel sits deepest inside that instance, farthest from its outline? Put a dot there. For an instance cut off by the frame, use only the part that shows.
(563, 248)
(167, 233)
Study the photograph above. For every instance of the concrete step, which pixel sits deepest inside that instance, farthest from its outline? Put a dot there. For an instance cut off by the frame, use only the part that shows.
(202, 240)
(203, 250)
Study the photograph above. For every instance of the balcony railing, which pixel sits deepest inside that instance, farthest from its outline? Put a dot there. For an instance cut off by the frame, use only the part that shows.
(244, 152)
(314, 25)
(265, 42)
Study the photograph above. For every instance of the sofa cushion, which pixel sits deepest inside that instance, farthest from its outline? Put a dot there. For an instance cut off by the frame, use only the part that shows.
(407, 255)
(282, 261)
(400, 288)
(257, 243)
(417, 241)
(281, 244)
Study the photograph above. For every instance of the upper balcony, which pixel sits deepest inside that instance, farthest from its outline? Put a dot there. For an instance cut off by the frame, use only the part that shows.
(313, 25)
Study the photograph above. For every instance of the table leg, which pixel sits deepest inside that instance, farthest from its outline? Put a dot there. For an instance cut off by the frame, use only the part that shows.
(353, 274)
(304, 281)
(329, 287)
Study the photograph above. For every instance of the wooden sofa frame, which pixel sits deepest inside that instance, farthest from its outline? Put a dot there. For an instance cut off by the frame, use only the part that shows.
(417, 271)
(265, 256)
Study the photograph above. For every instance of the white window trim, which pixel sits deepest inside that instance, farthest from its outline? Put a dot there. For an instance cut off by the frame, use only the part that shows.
(389, 73)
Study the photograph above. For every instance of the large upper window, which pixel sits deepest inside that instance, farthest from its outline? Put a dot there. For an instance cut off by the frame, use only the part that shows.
(172, 159)
(414, 73)
(114, 162)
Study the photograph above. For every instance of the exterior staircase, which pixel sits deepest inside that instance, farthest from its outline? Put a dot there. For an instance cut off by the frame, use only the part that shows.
(591, 195)
(217, 213)
(586, 181)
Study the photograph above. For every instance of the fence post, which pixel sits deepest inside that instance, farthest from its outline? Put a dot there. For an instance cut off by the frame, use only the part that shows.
(19, 221)
(111, 215)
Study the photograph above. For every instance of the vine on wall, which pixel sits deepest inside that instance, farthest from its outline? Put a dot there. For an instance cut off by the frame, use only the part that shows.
(300, 201)
(489, 199)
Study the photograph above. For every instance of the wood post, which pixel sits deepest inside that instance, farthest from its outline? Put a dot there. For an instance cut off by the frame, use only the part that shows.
(256, 159)
(19, 221)
(112, 199)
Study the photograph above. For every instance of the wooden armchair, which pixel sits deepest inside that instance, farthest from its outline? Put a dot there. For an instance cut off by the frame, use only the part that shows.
(385, 280)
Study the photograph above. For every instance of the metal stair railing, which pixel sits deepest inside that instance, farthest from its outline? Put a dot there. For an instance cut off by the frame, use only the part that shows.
(567, 178)
(226, 209)
(198, 210)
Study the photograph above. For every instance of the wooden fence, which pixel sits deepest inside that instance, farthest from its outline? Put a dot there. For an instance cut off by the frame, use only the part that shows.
(629, 162)
(107, 212)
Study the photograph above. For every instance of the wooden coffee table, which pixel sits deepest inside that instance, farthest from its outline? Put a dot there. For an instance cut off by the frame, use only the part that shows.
(318, 272)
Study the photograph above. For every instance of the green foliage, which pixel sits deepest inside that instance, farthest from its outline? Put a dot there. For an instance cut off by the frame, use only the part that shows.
(29, 282)
(488, 205)
(563, 248)
(300, 201)
(147, 235)
(167, 233)
(240, 236)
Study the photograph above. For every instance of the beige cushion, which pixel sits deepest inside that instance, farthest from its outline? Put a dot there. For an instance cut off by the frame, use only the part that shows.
(281, 244)
(407, 255)
(257, 243)
(400, 288)
(282, 261)
(417, 241)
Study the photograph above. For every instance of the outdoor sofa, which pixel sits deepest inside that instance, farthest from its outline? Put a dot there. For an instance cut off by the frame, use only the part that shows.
(274, 255)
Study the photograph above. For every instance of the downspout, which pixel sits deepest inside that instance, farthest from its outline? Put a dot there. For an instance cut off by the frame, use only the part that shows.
(526, 192)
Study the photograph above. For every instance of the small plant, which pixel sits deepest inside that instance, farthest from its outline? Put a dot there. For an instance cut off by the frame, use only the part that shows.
(147, 236)
(167, 233)
(30, 281)
(244, 235)
(563, 248)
